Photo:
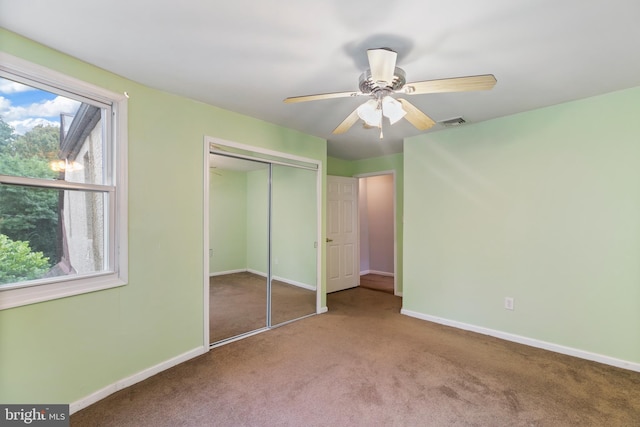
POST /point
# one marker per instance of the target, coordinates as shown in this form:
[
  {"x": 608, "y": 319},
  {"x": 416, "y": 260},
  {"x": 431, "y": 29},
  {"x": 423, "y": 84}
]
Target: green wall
[
  {"x": 227, "y": 220},
  {"x": 542, "y": 206},
  {"x": 393, "y": 162},
  {"x": 63, "y": 350},
  {"x": 339, "y": 167},
  {"x": 239, "y": 217},
  {"x": 258, "y": 220}
]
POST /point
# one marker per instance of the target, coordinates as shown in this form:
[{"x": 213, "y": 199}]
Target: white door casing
[{"x": 342, "y": 233}]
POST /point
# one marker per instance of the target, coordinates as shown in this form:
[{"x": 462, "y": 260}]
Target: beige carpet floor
[
  {"x": 364, "y": 364},
  {"x": 238, "y": 304}
]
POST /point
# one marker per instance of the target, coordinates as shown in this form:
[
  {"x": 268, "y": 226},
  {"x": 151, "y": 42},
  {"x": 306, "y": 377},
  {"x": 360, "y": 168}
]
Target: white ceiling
[{"x": 248, "y": 55}]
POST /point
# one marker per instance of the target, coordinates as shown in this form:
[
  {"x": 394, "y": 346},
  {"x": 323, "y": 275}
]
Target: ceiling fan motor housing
[{"x": 368, "y": 85}]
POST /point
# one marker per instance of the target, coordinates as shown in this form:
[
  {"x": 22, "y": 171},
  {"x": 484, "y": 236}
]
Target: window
[{"x": 63, "y": 204}]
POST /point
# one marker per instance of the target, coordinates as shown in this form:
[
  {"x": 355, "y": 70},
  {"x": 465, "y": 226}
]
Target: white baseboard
[
  {"x": 379, "y": 273},
  {"x": 135, "y": 378},
  {"x": 323, "y": 310},
  {"x": 222, "y": 273},
  {"x": 262, "y": 274},
  {"x": 241, "y": 270},
  {"x": 256, "y": 272},
  {"x": 582, "y": 354},
  {"x": 295, "y": 283}
]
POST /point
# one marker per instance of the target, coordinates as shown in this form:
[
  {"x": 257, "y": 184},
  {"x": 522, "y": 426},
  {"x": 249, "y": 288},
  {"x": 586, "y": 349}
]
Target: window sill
[{"x": 11, "y": 298}]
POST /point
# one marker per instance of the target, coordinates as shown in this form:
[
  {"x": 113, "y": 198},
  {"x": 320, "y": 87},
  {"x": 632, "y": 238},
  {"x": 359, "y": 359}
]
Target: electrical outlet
[{"x": 508, "y": 303}]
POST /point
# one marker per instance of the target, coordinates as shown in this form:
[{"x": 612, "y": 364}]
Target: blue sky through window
[{"x": 24, "y": 107}]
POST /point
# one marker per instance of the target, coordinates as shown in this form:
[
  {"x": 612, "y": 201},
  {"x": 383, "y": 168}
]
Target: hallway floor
[{"x": 377, "y": 282}]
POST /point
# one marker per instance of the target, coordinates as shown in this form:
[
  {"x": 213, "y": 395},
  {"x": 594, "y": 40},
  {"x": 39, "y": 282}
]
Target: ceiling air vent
[{"x": 457, "y": 121}]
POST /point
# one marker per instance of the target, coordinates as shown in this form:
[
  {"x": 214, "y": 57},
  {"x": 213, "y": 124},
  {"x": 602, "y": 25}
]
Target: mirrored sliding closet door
[
  {"x": 293, "y": 251},
  {"x": 238, "y": 248},
  {"x": 263, "y": 222}
]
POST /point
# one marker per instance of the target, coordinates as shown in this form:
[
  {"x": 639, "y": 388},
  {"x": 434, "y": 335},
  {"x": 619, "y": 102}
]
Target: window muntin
[{"x": 62, "y": 193}]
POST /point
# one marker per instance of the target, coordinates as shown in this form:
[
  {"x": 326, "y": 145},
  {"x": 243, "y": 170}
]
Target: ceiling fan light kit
[
  {"x": 373, "y": 110},
  {"x": 370, "y": 112},
  {"x": 392, "y": 109},
  {"x": 382, "y": 81}
]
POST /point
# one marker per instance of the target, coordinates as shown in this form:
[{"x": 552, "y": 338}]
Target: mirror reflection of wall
[
  {"x": 293, "y": 243},
  {"x": 238, "y": 216},
  {"x": 246, "y": 292}
]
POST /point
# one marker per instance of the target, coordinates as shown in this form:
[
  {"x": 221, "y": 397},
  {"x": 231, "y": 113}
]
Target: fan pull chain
[{"x": 381, "y": 116}]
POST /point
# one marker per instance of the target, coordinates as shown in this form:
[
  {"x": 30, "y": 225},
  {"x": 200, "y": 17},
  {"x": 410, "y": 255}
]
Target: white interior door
[{"x": 342, "y": 233}]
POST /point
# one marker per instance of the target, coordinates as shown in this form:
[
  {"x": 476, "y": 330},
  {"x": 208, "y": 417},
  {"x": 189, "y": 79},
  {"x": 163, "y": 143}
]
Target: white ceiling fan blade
[
  {"x": 347, "y": 123},
  {"x": 382, "y": 63},
  {"x": 416, "y": 117},
  {"x": 305, "y": 98},
  {"x": 456, "y": 84}
]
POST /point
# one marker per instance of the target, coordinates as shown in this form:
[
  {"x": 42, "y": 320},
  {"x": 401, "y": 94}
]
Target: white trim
[
  {"x": 241, "y": 270},
  {"x": 295, "y": 283},
  {"x": 582, "y": 354},
  {"x": 10, "y": 298},
  {"x": 395, "y": 232},
  {"x": 377, "y": 173},
  {"x": 206, "y": 289},
  {"x": 379, "y": 273},
  {"x": 133, "y": 379},
  {"x": 256, "y": 272},
  {"x": 211, "y": 142},
  {"x": 208, "y": 143},
  {"x": 55, "y": 184},
  {"x": 323, "y": 310},
  {"x": 261, "y": 274},
  {"x": 32, "y": 71},
  {"x": 238, "y": 337},
  {"x": 320, "y": 247},
  {"x": 121, "y": 159}
]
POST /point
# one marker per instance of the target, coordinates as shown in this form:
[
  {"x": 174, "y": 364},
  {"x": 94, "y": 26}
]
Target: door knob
[{"x": 329, "y": 240}]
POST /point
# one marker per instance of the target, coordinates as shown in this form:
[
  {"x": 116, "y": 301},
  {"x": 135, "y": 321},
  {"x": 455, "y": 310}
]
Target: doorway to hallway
[{"x": 377, "y": 239}]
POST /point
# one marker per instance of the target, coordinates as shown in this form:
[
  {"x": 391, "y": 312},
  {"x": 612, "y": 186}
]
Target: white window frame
[{"x": 61, "y": 287}]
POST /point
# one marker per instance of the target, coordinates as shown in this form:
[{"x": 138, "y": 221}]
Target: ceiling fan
[{"x": 382, "y": 81}]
